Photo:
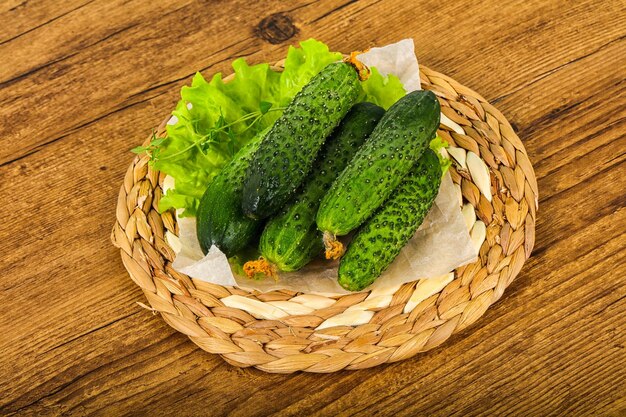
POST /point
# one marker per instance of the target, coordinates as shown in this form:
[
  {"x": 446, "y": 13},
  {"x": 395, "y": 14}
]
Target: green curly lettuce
[
  {"x": 214, "y": 119},
  {"x": 437, "y": 144},
  {"x": 383, "y": 91}
]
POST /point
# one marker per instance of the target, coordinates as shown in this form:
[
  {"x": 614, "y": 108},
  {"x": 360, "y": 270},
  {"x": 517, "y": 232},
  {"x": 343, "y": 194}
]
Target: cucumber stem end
[
  {"x": 361, "y": 69},
  {"x": 334, "y": 248},
  {"x": 260, "y": 266}
]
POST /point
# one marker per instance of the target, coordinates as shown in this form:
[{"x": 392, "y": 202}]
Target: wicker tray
[{"x": 284, "y": 331}]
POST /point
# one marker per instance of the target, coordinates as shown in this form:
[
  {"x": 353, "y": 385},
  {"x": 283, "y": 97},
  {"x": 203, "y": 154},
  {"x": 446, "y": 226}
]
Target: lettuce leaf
[
  {"x": 438, "y": 145},
  {"x": 214, "y": 119},
  {"x": 383, "y": 91}
]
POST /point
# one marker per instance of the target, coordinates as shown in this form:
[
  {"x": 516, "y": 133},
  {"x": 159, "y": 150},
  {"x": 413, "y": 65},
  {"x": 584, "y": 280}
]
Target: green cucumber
[
  {"x": 381, "y": 238},
  {"x": 289, "y": 149},
  {"x": 219, "y": 219},
  {"x": 291, "y": 239},
  {"x": 397, "y": 142}
]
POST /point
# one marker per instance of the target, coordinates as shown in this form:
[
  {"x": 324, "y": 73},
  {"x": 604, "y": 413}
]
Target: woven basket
[{"x": 284, "y": 331}]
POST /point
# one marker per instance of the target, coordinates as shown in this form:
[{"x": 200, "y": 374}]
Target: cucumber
[
  {"x": 289, "y": 149},
  {"x": 381, "y": 238},
  {"x": 291, "y": 239},
  {"x": 397, "y": 142},
  {"x": 219, "y": 219}
]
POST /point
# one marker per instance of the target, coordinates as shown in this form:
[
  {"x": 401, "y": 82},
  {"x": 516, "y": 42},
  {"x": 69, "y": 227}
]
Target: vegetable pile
[{"x": 284, "y": 162}]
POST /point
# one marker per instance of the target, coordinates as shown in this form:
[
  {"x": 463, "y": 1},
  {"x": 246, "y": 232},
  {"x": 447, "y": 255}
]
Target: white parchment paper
[{"x": 440, "y": 245}]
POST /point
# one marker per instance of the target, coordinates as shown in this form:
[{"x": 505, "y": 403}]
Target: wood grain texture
[{"x": 81, "y": 82}]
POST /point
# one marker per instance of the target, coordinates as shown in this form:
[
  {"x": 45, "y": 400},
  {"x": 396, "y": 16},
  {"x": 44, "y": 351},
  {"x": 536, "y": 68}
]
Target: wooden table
[{"x": 81, "y": 82}]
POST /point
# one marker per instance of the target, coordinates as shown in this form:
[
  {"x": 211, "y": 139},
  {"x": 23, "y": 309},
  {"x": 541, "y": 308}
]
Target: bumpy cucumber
[
  {"x": 291, "y": 239},
  {"x": 220, "y": 220},
  {"x": 397, "y": 142},
  {"x": 287, "y": 153},
  {"x": 382, "y": 237}
]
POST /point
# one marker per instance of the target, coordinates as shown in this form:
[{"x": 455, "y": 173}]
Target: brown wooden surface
[{"x": 81, "y": 82}]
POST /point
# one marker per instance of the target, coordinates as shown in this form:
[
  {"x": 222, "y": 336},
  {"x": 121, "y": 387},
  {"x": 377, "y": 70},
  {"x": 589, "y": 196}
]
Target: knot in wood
[{"x": 276, "y": 28}]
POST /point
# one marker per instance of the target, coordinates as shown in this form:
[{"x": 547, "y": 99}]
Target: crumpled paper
[{"x": 441, "y": 244}]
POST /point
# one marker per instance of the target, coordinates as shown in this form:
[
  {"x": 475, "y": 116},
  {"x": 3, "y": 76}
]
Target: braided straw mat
[{"x": 284, "y": 331}]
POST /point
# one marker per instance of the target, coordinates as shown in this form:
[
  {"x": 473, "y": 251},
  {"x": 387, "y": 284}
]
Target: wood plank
[
  {"x": 487, "y": 368},
  {"x": 27, "y": 16},
  {"x": 143, "y": 40},
  {"x": 546, "y": 209}
]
